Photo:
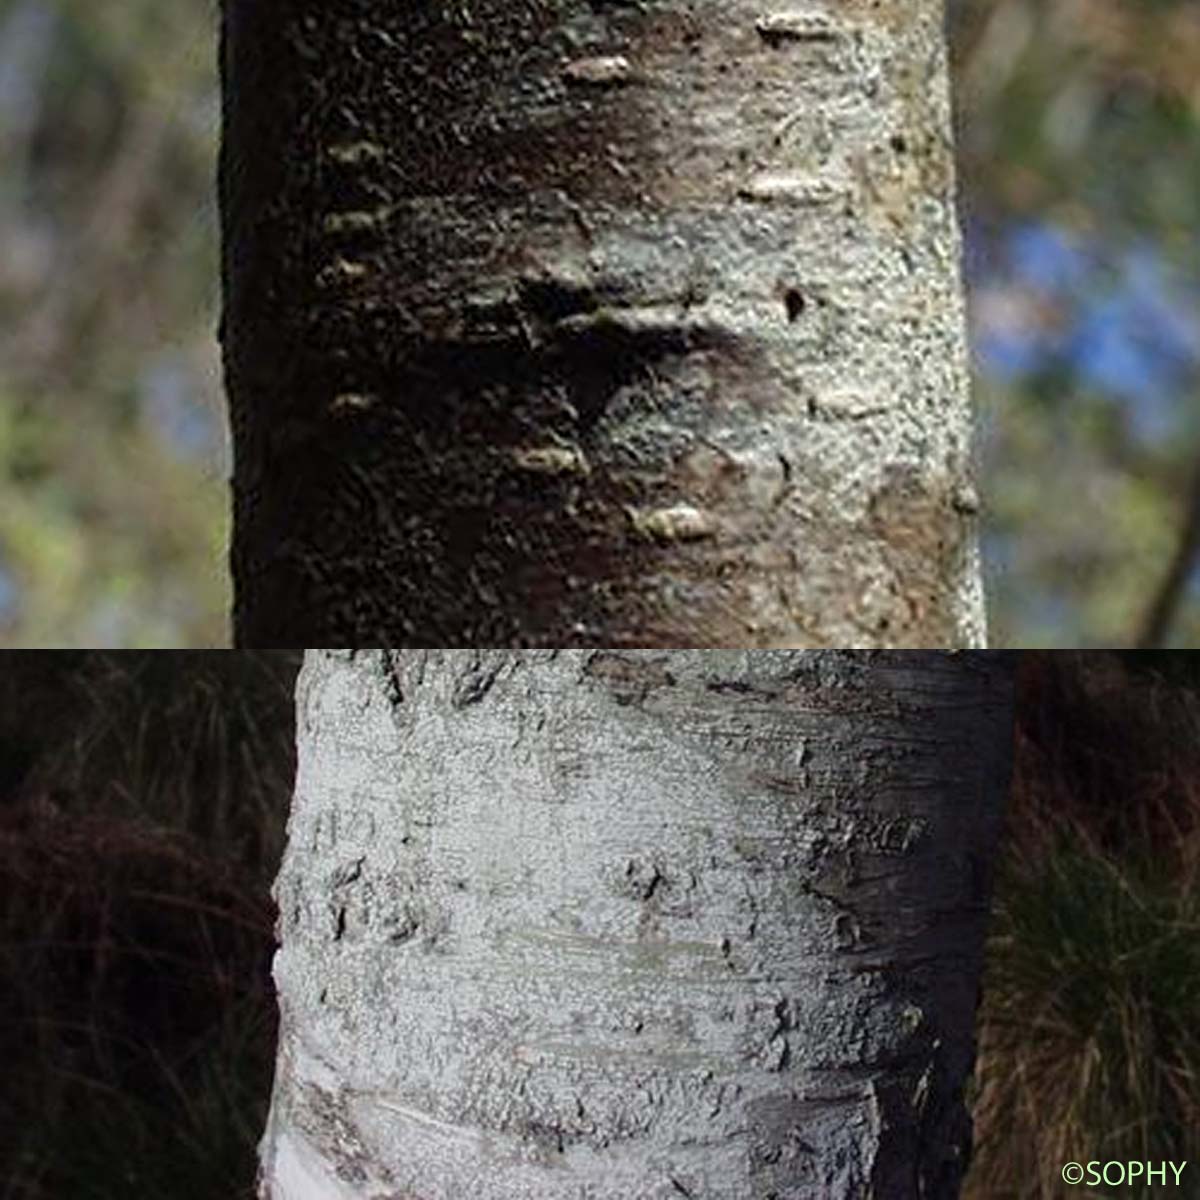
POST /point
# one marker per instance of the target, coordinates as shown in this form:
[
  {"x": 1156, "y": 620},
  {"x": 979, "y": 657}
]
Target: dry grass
[
  {"x": 135, "y": 856},
  {"x": 1089, "y": 1028}
]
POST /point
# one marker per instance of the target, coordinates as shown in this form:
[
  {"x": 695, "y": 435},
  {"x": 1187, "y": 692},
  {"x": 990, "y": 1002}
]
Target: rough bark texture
[
  {"x": 595, "y": 323},
  {"x": 599, "y": 925}
]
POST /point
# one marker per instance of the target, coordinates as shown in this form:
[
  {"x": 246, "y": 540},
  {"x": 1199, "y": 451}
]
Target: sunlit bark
[{"x": 595, "y": 323}]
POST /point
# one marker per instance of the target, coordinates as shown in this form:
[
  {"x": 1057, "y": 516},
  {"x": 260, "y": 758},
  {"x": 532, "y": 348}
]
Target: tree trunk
[
  {"x": 594, "y": 323},
  {"x": 634, "y": 926}
]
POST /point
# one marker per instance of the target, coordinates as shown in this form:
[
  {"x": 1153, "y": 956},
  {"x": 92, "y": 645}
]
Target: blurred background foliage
[
  {"x": 113, "y": 454},
  {"x": 1079, "y": 157}
]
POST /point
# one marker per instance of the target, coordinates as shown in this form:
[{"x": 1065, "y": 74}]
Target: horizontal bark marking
[{"x": 630, "y": 680}]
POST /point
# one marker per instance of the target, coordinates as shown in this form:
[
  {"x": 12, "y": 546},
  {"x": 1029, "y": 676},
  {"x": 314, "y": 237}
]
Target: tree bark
[
  {"x": 566, "y": 924},
  {"x": 594, "y": 323}
]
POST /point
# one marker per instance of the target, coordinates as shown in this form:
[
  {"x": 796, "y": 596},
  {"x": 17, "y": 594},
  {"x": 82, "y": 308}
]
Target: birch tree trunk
[
  {"x": 595, "y": 323},
  {"x": 569, "y": 924}
]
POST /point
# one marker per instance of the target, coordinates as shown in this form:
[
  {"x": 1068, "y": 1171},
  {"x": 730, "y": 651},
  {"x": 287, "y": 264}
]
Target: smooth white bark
[{"x": 633, "y": 926}]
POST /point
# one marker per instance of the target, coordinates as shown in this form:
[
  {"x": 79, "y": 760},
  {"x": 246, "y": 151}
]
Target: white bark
[{"x": 634, "y": 925}]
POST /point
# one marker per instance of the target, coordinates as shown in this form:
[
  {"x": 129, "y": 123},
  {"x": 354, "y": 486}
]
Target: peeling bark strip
[
  {"x": 525, "y": 301},
  {"x": 629, "y": 925}
]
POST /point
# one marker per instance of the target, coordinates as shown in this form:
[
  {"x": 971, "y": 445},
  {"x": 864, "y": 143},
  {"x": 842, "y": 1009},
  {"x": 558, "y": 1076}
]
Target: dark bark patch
[
  {"x": 391, "y": 679},
  {"x": 555, "y": 299},
  {"x": 729, "y": 685},
  {"x": 630, "y": 680},
  {"x": 475, "y": 683}
]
